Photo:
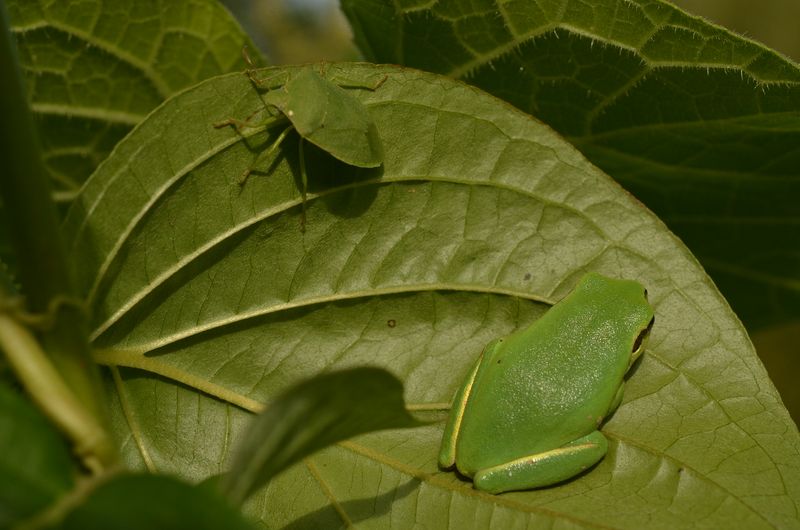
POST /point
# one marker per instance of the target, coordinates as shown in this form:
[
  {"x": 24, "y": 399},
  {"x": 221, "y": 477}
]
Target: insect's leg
[
  {"x": 267, "y": 82},
  {"x": 346, "y": 82},
  {"x": 304, "y": 182},
  {"x": 377, "y": 85},
  {"x": 265, "y": 155},
  {"x": 247, "y": 123},
  {"x": 250, "y": 72},
  {"x": 238, "y": 124}
]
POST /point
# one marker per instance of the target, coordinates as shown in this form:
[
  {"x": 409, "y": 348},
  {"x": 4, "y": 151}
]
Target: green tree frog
[{"x": 529, "y": 412}]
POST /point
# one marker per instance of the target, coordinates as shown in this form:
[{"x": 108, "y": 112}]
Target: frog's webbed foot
[{"x": 543, "y": 469}]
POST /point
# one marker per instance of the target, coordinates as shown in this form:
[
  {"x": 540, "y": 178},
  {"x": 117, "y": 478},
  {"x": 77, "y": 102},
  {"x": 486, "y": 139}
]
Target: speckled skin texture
[{"x": 529, "y": 415}]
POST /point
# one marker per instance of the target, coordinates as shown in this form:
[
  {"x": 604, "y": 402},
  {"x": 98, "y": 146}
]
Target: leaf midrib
[
  {"x": 144, "y": 348},
  {"x": 142, "y": 294}
]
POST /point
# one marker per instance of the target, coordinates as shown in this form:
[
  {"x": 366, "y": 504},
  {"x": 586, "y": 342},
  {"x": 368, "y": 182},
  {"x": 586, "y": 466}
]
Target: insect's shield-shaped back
[{"x": 330, "y": 117}]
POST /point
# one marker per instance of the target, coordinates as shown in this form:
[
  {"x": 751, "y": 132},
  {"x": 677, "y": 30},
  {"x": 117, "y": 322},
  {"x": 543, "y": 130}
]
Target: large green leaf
[
  {"x": 35, "y": 465},
  {"x": 96, "y": 68},
  {"x": 700, "y": 124},
  {"x": 216, "y": 301},
  {"x": 136, "y": 502}
]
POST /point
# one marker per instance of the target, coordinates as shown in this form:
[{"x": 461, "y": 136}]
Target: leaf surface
[
  {"x": 208, "y": 301},
  {"x": 94, "y": 69},
  {"x": 700, "y": 124}
]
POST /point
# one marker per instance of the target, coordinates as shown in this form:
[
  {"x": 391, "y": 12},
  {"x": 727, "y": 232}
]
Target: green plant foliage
[
  {"x": 35, "y": 466},
  {"x": 208, "y": 300},
  {"x": 700, "y": 124},
  {"x": 136, "y": 502},
  {"x": 311, "y": 415},
  {"x": 96, "y": 68}
]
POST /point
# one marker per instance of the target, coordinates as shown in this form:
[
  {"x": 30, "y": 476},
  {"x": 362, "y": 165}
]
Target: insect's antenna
[
  {"x": 253, "y": 77},
  {"x": 246, "y": 56},
  {"x": 250, "y": 71},
  {"x": 304, "y": 181},
  {"x": 249, "y": 61}
]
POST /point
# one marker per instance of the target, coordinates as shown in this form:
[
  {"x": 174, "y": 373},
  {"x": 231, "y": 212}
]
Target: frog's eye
[{"x": 638, "y": 344}]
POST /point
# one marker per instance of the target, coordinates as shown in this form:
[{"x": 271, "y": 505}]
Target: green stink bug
[{"x": 323, "y": 113}]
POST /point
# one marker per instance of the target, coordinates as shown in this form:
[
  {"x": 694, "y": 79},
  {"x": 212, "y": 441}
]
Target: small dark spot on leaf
[
  {"x": 527, "y": 276},
  {"x": 391, "y": 323}
]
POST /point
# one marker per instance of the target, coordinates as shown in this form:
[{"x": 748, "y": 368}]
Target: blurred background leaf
[
  {"x": 138, "y": 501},
  {"x": 95, "y": 69},
  {"x": 773, "y": 22},
  {"x": 310, "y": 416},
  {"x": 36, "y": 467}
]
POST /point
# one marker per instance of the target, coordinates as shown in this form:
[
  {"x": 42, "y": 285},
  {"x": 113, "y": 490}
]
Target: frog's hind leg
[
  {"x": 447, "y": 454},
  {"x": 543, "y": 469}
]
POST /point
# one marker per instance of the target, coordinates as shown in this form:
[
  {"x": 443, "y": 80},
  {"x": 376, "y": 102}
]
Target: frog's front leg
[
  {"x": 447, "y": 454},
  {"x": 615, "y": 403},
  {"x": 543, "y": 469}
]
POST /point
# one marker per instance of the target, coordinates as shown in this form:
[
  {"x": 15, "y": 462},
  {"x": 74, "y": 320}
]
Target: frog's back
[{"x": 545, "y": 386}]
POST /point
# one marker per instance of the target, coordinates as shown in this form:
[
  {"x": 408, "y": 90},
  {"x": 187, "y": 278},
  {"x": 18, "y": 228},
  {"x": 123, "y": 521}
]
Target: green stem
[
  {"x": 51, "y": 394},
  {"x": 32, "y": 220}
]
